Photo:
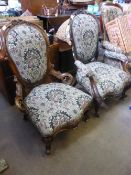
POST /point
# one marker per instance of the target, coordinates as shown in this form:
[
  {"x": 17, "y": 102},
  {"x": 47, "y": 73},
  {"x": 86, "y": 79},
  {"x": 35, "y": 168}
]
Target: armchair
[
  {"x": 99, "y": 79},
  {"x": 109, "y": 11},
  {"x": 113, "y": 54},
  {"x": 51, "y": 107}
]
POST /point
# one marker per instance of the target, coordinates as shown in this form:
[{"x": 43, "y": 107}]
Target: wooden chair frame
[
  {"x": 23, "y": 88},
  {"x": 98, "y": 101}
]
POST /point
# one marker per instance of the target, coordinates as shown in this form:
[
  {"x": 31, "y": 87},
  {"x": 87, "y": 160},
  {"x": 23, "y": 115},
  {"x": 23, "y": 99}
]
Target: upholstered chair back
[
  {"x": 110, "y": 12},
  {"x": 84, "y": 31},
  {"x": 26, "y": 45}
]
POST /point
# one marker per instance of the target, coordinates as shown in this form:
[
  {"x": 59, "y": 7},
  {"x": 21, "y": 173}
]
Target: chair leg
[
  {"x": 123, "y": 96},
  {"x": 96, "y": 107},
  {"x": 86, "y": 116},
  {"x": 25, "y": 117},
  {"x": 48, "y": 141}
]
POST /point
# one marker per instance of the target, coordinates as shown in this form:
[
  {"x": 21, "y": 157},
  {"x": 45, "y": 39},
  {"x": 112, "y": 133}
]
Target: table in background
[{"x": 52, "y": 21}]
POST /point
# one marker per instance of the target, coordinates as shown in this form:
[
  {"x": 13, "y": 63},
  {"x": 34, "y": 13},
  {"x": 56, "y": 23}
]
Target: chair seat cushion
[
  {"x": 55, "y": 106},
  {"x": 109, "y": 80}
]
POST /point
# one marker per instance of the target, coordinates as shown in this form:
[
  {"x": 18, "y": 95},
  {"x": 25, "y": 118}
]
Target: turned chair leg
[
  {"x": 86, "y": 116},
  {"x": 123, "y": 96},
  {"x": 96, "y": 107},
  {"x": 25, "y": 117},
  {"x": 48, "y": 141}
]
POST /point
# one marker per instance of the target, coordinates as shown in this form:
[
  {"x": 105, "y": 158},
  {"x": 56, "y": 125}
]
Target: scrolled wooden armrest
[
  {"x": 129, "y": 65},
  {"x": 20, "y": 103},
  {"x": 66, "y": 78},
  {"x": 126, "y": 66},
  {"x": 95, "y": 92}
]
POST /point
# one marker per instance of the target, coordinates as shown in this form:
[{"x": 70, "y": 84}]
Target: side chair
[{"x": 51, "y": 107}]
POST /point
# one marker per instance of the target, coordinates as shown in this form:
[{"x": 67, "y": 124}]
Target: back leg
[{"x": 47, "y": 141}]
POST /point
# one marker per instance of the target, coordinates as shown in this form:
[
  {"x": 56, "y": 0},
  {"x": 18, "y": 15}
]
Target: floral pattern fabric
[
  {"x": 114, "y": 58},
  {"x": 54, "y": 106},
  {"x": 111, "y": 47},
  {"x": 27, "y": 48},
  {"x": 109, "y": 80},
  {"x": 63, "y": 32},
  {"x": 84, "y": 30},
  {"x": 109, "y": 13},
  {"x": 113, "y": 62},
  {"x": 115, "y": 55}
]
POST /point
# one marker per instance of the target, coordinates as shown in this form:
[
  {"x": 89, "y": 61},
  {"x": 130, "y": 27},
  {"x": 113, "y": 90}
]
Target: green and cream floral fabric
[
  {"x": 115, "y": 59},
  {"x": 54, "y": 106},
  {"x": 112, "y": 47},
  {"x": 84, "y": 30},
  {"x": 113, "y": 62},
  {"x": 26, "y": 46},
  {"x": 63, "y": 32},
  {"x": 109, "y": 80},
  {"x": 109, "y": 13}
]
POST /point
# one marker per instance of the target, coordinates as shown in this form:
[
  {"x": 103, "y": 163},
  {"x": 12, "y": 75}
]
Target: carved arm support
[
  {"x": 65, "y": 78},
  {"x": 88, "y": 73},
  {"x": 118, "y": 57},
  {"x": 19, "y": 101}
]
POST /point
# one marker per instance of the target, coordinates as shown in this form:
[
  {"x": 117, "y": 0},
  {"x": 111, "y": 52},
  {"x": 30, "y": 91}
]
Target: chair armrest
[
  {"x": 111, "y": 47},
  {"x": 89, "y": 73},
  {"x": 82, "y": 68},
  {"x": 2, "y": 47},
  {"x": 66, "y": 78},
  {"x": 129, "y": 66},
  {"x": 117, "y": 56},
  {"x": 19, "y": 101}
]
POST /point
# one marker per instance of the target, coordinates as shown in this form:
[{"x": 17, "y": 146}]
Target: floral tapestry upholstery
[
  {"x": 82, "y": 76},
  {"x": 84, "y": 31},
  {"x": 111, "y": 47},
  {"x": 113, "y": 62},
  {"x": 63, "y": 32},
  {"x": 115, "y": 55},
  {"x": 115, "y": 59},
  {"x": 54, "y": 106},
  {"x": 27, "y": 48},
  {"x": 109, "y": 80},
  {"x": 109, "y": 13}
]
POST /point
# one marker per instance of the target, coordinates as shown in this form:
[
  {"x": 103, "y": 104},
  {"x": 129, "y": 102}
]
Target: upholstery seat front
[
  {"x": 109, "y": 80},
  {"x": 54, "y": 106}
]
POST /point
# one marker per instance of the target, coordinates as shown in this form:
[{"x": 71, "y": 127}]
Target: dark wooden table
[{"x": 52, "y": 21}]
